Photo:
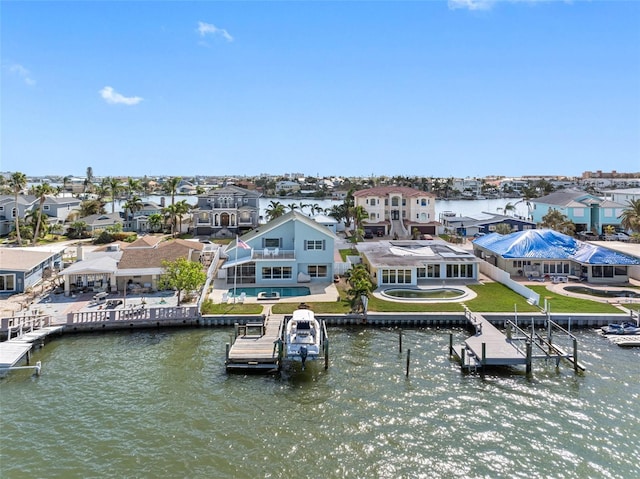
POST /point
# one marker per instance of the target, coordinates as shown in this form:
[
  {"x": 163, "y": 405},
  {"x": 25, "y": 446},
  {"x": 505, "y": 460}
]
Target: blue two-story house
[
  {"x": 288, "y": 250},
  {"x": 588, "y": 212}
]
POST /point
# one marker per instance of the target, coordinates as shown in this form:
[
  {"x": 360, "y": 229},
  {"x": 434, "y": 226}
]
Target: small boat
[
  {"x": 303, "y": 337},
  {"x": 626, "y": 327},
  {"x": 262, "y": 295}
]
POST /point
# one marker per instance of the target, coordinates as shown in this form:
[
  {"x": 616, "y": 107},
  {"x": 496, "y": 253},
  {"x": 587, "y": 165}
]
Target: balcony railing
[{"x": 273, "y": 254}]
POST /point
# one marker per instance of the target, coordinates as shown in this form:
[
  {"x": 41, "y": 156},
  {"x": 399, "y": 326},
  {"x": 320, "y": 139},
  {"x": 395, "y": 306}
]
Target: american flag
[{"x": 243, "y": 245}]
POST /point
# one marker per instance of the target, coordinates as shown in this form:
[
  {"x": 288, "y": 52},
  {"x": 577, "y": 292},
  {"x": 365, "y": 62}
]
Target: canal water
[{"x": 159, "y": 404}]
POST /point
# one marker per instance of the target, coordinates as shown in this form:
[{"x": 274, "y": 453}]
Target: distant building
[{"x": 483, "y": 223}]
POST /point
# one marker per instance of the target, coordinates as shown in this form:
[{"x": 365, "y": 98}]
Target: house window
[
  {"x": 272, "y": 242},
  {"x": 578, "y": 212},
  {"x": 433, "y": 271},
  {"x": 602, "y": 271},
  {"x": 399, "y": 276},
  {"x": 7, "y": 282},
  {"x": 314, "y": 244},
  {"x": 424, "y": 202},
  {"x": 459, "y": 271},
  {"x": 276, "y": 272},
  {"x": 395, "y": 201},
  {"x": 46, "y": 207},
  {"x": 317, "y": 270},
  {"x": 1, "y": 208},
  {"x": 13, "y": 212}
]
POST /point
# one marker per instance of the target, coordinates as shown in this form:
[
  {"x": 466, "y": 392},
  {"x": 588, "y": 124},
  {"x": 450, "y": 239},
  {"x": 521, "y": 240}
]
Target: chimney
[{"x": 79, "y": 252}]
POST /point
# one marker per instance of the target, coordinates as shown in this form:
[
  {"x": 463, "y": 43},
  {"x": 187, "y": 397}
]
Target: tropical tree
[
  {"x": 133, "y": 186},
  {"x": 17, "y": 182},
  {"x": 41, "y": 192},
  {"x": 91, "y": 207},
  {"x": 360, "y": 286},
  {"x": 338, "y": 212},
  {"x": 155, "y": 222},
  {"x": 77, "y": 229},
  {"x": 171, "y": 187},
  {"x": 182, "y": 275},
  {"x": 275, "y": 210},
  {"x": 503, "y": 228},
  {"x": 509, "y": 209},
  {"x": 65, "y": 183},
  {"x": 170, "y": 213},
  {"x": 115, "y": 187},
  {"x": 558, "y": 222},
  {"x": 131, "y": 206},
  {"x": 182, "y": 208},
  {"x": 631, "y": 216},
  {"x": 88, "y": 181}
]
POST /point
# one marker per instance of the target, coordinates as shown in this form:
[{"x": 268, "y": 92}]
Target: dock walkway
[
  {"x": 13, "y": 350},
  {"x": 488, "y": 347},
  {"x": 255, "y": 346}
]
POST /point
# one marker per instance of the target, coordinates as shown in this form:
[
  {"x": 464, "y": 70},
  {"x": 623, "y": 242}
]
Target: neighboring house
[
  {"x": 140, "y": 266},
  {"x": 397, "y": 210},
  {"x": 623, "y": 196},
  {"x": 410, "y": 263},
  {"x": 8, "y": 210},
  {"x": 101, "y": 221},
  {"x": 289, "y": 249},
  {"x": 226, "y": 211},
  {"x": 55, "y": 209},
  {"x": 484, "y": 222},
  {"x": 588, "y": 212},
  {"x": 544, "y": 252},
  {"x": 328, "y": 221},
  {"x": 23, "y": 268},
  {"x": 287, "y": 186},
  {"x": 140, "y": 220}
]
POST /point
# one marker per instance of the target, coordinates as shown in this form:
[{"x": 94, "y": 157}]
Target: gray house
[{"x": 226, "y": 211}]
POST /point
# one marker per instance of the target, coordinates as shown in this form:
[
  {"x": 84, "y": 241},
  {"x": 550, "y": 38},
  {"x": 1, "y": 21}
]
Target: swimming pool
[
  {"x": 284, "y": 292},
  {"x": 603, "y": 293},
  {"x": 426, "y": 294}
]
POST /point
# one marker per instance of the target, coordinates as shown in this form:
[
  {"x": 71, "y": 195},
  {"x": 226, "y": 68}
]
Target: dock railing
[{"x": 24, "y": 324}]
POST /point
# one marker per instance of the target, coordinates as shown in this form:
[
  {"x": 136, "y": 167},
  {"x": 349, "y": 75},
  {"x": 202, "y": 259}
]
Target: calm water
[{"x": 159, "y": 404}]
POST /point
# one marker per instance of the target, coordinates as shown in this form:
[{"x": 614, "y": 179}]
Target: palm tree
[
  {"x": 91, "y": 207},
  {"x": 170, "y": 213},
  {"x": 77, "y": 229},
  {"x": 131, "y": 206},
  {"x": 631, "y": 216},
  {"x": 275, "y": 210},
  {"x": 88, "y": 181},
  {"x": 182, "y": 208},
  {"x": 65, "y": 182},
  {"x": 155, "y": 222},
  {"x": 133, "y": 186},
  {"x": 17, "y": 182},
  {"x": 558, "y": 222},
  {"x": 171, "y": 187},
  {"x": 41, "y": 191},
  {"x": 509, "y": 208},
  {"x": 115, "y": 187}
]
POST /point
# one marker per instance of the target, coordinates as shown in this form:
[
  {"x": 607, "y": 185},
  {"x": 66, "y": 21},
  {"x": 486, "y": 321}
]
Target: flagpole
[{"x": 235, "y": 272}]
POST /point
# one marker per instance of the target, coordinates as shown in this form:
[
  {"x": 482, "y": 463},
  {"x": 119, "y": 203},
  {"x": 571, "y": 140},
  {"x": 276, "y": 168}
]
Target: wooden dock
[
  {"x": 13, "y": 350},
  {"x": 256, "y": 346}
]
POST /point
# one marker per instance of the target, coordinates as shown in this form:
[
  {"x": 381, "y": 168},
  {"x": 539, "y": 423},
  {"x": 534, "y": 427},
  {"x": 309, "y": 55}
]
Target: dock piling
[{"x": 408, "y": 360}]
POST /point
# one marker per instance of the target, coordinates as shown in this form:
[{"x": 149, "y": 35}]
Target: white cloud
[
  {"x": 471, "y": 4},
  {"x": 205, "y": 29},
  {"x": 23, "y": 73},
  {"x": 112, "y": 96}
]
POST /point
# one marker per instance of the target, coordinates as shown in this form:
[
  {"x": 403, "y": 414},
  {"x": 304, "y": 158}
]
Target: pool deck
[{"x": 321, "y": 292}]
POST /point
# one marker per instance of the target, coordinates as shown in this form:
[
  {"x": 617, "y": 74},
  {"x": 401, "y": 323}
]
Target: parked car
[
  {"x": 587, "y": 236},
  {"x": 368, "y": 234},
  {"x": 617, "y": 237}
]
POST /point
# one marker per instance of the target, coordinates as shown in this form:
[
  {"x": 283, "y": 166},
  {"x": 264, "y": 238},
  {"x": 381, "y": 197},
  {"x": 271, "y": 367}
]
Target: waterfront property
[
  {"x": 483, "y": 223},
  {"x": 288, "y": 250},
  {"x": 23, "y": 268},
  {"x": 397, "y": 211},
  {"x": 226, "y": 211},
  {"x": 588, "y": 212},
  {"x": 410, "y": 263},
  {"x": 547, "y": 253}
]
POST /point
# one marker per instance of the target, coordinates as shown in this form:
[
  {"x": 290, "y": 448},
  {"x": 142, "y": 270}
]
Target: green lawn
[{"x": 567, "y": 304}]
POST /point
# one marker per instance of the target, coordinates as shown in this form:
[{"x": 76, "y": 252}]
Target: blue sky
[{"x": 427, "y": 88}]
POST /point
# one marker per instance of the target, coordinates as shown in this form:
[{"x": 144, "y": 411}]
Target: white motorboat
[{"x": 303, "y": 337}]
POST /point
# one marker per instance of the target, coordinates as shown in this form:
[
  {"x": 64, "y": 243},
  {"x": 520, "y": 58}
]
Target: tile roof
[{"x": 387, "y": 190}]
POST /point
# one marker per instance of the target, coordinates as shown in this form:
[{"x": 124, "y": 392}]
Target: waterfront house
[
  {"x": 482, "y": 223},
  {"x": 418, "y": 262},
  {"x": 226, "y": 212},
  {"x": 289, "y": 249},
  {"x": 23, "y": 268},
  {"x": 545, "y": 253},
  {"x": 98, "y": 222},
  {"x": 397, "y": 211},
  {"x": 588, "y": 212}
]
